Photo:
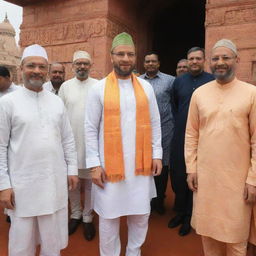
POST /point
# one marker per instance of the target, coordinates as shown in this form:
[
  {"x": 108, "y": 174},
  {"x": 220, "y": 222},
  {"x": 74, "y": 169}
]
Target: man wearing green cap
[
  {"x": 123, "y": 150},
  {"x": 220, "y": 153}
]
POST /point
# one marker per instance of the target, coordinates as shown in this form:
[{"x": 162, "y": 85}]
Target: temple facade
[
  {"x": 169, "y": 27},
  {"x": 9, "y": 51}
]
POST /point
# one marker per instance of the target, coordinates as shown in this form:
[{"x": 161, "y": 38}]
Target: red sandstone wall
[
  {"x": 235, "y": 20},
  {"x": 63, "y": 27}
]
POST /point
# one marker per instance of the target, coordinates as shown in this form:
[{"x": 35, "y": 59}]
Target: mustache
[{"x": 36, "y": 76}]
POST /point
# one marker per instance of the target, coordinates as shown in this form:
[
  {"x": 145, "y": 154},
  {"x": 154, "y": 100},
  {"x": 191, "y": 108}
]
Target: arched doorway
[{"x": 173, "y": 27}]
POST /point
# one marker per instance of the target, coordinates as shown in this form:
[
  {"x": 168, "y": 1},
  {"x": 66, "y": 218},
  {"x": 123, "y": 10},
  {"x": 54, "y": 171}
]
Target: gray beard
[{"x": 82, "y": 74}]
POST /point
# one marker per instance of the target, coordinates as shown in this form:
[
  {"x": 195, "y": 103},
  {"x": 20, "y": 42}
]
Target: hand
[
  {"x": 250, "y": 194},
  {"x": 7, "y": 198},
  {"x": 156, "y": 167},
  {"x": 72, "y": 182},
  {"x": 98, "y": 176},
  {"x": 192, "y": 181}
]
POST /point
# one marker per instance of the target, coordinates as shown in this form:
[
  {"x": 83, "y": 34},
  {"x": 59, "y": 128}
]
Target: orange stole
[{"x": 113, "y": 148}]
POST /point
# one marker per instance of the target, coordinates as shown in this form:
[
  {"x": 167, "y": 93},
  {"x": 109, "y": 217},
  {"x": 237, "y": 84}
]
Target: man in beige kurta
[
  {"x": 220, "y": 155},
  {"x": 74, "y": 94}
]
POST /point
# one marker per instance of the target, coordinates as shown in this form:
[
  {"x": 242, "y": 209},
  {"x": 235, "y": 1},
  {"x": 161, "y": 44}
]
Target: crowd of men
[{"x": 118, "y": 140}]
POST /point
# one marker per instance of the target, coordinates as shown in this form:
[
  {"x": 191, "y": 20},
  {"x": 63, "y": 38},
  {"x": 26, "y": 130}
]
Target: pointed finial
[{"x": 6, "y": 17}]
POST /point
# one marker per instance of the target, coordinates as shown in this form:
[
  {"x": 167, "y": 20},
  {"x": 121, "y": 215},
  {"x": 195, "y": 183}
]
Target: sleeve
[
  {"x": 5, "y": 131},
  {"x": 174, "y": 98},
  {"x": 191, "y": 136},
  {"x": 68, "y": 144},
  {"x": 251, "y": 177},
  {"x": 93, "y": 115},
  {"x": 157, "y": 152}
]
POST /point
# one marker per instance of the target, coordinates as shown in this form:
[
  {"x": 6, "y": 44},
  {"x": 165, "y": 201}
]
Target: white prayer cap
[
  {"x": 226, "y": 43},
  {"x": 81, "y": 55},
  {"x": 34, "y": 50}
]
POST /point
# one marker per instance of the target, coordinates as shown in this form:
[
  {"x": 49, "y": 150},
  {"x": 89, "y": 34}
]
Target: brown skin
[
  {"x": 224, "y": 67},
  {"x": 5, "y": 83},
  {"x": 151, "y": 65},
  {"x": 57, "y": 75},
  {"x": 196, "y": 62},
  {"x": 81, "y": 67},
  {"x": 123, "y": 66},
  {"x": 34, "y": 71},
  {"x": 182, "y": 68}
]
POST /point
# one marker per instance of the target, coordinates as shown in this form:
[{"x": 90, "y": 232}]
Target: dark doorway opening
[{"x": 175, "y": 28}]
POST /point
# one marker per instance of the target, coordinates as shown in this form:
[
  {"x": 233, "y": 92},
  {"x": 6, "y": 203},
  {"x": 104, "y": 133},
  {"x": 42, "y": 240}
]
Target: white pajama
[
  {"x": 51, "y": 231},
  {"x": 109, "y": 235},
  {"x": 75, "y": 201}
]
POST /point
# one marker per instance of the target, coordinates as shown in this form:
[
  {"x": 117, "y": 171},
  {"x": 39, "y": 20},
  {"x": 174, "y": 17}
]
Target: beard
[
  {"x": 57, "y": 82},
  {"x": 82, "y": 74},
  {"x": 222, "y": 76},
  {"x": 36, "y": 83},
  {"x": 123, "y": 73}
]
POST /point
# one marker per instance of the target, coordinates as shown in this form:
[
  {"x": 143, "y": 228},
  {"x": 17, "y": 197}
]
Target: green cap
[{"x": 122, "y": 39}]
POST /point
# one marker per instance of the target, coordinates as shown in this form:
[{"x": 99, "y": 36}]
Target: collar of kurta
[
  {"x": 81, "y": 82},
  {"x": 33, "y": 93}
]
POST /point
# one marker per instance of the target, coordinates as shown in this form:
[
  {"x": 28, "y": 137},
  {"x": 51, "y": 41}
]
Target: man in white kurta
[
  {"x": 130, "y": 197},
  {"x": 220, "y": 156},
  {"x": 56, "y": 77},
  {"x": 37, "y": 161},
  {"x": 74, "y": 95}
]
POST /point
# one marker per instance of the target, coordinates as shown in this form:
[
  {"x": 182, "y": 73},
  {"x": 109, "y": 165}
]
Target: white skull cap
[
  {"x": 81, "y": 55},
  {"x": 226, "y": 43},
  {"x": 34, "y": 50}
]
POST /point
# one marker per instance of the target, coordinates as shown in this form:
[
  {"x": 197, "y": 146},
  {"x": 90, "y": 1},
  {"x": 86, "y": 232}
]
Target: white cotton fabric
[
  {"x": 74, "y": 93},
  {"x": 110, "y": 239},
  {"x": 37, "y": 151},
  {"x": 131, "y": 196},
  {"x": 50, "y": 231}
]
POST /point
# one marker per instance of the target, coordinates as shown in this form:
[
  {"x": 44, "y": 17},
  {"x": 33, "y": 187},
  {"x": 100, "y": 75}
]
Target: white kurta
[
  {"x": 49, "y": 87},
  {"x": 131, "y": 196},
  {"x": 74, "y": 93},
  {"x": 37, "y": 151}
]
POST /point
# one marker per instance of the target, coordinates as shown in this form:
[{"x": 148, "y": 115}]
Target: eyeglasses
[
  {"x": 122, "y": 54},
  {"x": 223, "y": 58},
  {"x": 79, "y": 64}
]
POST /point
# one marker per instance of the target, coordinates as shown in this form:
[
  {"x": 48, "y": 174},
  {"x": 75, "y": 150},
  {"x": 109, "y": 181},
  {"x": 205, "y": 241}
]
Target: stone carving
[
  {"x": 227, "y": 16},
  {"x": 64, "y": 33}
]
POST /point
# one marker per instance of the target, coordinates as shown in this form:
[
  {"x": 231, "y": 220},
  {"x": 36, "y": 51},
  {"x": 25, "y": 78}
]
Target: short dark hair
[
  {"x": 56, "y": 63},
  {"x": 195, "y": 49},
  {"x": 4, "y": 71},
  {"x": 152, "y": 52}
]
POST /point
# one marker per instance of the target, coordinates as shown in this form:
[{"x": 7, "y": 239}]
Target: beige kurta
[
  {"x": 74, "y": 93},
  {"x": 220, "y": 147}
]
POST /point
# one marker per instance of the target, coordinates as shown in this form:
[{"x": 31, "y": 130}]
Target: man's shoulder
[
  {"x": 208, "y": 75},
  {"x": 69, "y": 82},
  {"x": 166, "y": 76}
]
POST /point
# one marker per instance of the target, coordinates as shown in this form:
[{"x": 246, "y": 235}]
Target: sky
[{"x": 14, "y": 13}]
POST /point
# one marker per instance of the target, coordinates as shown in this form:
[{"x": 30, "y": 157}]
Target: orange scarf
[{"x": 113, "y": 148}]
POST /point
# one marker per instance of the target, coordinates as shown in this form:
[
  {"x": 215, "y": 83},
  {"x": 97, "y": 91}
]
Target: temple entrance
[{"x": 175, "y": 26}]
